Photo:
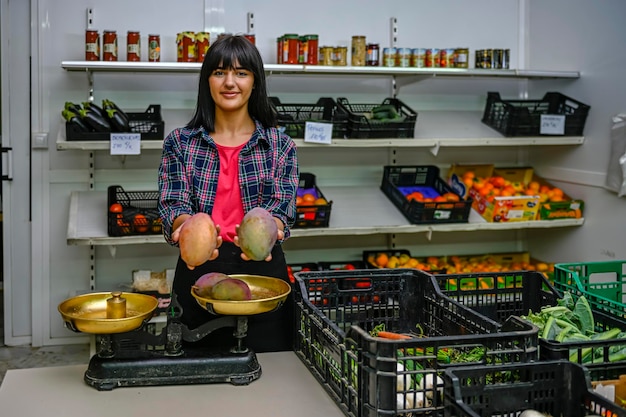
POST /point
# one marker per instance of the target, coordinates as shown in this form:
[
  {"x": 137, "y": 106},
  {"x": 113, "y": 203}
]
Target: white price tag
[
  {"x": 125, "y": 143},
  {"x": 318, "y": 132},
  {"x": 552, "y": 124}
]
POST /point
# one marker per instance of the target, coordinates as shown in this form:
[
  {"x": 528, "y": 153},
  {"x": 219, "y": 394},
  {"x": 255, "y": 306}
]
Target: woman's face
[{"x": 231, "y": 87}]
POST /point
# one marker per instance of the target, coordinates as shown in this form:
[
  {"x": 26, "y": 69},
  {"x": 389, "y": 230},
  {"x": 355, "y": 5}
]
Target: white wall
[{"x": 425, "y": 23}]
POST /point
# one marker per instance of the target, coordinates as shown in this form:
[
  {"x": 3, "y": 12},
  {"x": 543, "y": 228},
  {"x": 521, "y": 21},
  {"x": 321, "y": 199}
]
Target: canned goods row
[
  {"x": 110, "y": 46},
  {"x": 492, "y": 58},
  {"x": 292, "y": 48},
  {"x": 426, "y": 57}
]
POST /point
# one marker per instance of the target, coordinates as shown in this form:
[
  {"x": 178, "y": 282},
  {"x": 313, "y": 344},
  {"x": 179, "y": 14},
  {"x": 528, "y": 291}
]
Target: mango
[
  {"x": 204, "y": 285},
  {"x": 257, "y": 234},
  {"x": 198, "y": 239},
  {"x": 232, "y": 289}
]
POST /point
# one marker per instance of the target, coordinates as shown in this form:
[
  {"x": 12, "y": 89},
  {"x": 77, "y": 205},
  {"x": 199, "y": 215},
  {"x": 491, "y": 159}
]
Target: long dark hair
[{"x": 225, "y": 52}]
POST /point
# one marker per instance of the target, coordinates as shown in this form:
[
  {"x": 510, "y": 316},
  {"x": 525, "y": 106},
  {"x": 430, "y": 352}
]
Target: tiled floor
[{"x": 18, "y": 357}]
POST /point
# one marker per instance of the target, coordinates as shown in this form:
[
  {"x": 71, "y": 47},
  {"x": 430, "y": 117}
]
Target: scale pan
[
  {"x": 87, "y": 313},
  {"x": 268, "y": 294}
]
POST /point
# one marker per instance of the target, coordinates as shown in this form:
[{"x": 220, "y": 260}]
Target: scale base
[{"x": 193, "y": 366}]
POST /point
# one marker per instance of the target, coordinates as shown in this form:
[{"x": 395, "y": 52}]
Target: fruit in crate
[
  {"x": 197, "y": 240},
  {"x": 498, "y": 186},
  {"x": 204, "y": 285},
  {"x": 231, "y": 289},
  {"x": 445, "y": 197},
  {"x": 257, "y": 234}
]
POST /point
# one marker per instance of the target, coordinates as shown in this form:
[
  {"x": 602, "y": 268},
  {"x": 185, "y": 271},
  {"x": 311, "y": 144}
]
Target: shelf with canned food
[{"x": 353, "y": 211}]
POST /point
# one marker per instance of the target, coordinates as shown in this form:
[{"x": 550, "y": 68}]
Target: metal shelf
[
  {"x": 193, "y": 67},
  {"x": 352, "y": 214}
]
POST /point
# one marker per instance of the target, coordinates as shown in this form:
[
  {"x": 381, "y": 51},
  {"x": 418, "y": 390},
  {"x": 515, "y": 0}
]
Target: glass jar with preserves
[
  {"x": 202, "y": 45},
  {"x": 186, "y": 46},
  {"x": 109, "y": 45},
  {"x": 133, "y": 46},
  {"x": 326, "y": 55},
  {"x": 373, "y": 55},
  {"x": 461, "y": 58},
  {"x": 92, "y": 45},
  {"x": 359, "y": 51},
  {"x": 312, "y": 55},
  {"x": 340, "y": 56},
  {"x": 291, "y": 48}
]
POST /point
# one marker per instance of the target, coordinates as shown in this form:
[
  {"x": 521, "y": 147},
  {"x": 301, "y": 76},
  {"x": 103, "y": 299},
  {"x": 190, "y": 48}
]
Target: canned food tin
[
  {"x": 202, "y": 45},
  {"x": 154, "y": 48},
  {"x": 506, "y": 59},
  {"x": 109, "y": 45},
  {"x": 418, "y": 56},
  {"x": 389, "y": 57},
  {"x": 92, "y": 45},
  {"x": 403, "y": 57},
  {"x": 340, "y": 56},
  {"x": 133, "y": 46},
  {"x": 326, "y": 55},
  {"x": 496, "y": 58},
  {"x": 186, "y": 47},
  {"x": 291, "y": 48},
  {"x": 446, "y": 58},
  {"x": 431, "y": 58},
  {"x": 461, "y": 58},
  {"x": 279, "y": 50},
  {"x": 359, "y": 51},
  {"x": 373, "y": 55}
]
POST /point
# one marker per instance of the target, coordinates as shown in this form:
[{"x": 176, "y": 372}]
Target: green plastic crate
[{"x": 602, "y": 283}]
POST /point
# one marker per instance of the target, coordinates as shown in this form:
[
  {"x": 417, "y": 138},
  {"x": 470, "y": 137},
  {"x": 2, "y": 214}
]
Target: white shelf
[
  {"x": 434, "y": 129},
  {"x": 193, "y": 67},
  {"x": 354, "y": 212}
]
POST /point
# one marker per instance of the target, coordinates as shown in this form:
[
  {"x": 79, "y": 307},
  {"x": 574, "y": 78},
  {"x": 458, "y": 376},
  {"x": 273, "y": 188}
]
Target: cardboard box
[
  {"x": 567, "y": 208},
  {"x": 156, "y": 284},
  {"x": 457, "y": 171},
  {"x": 509, "y": 208}
]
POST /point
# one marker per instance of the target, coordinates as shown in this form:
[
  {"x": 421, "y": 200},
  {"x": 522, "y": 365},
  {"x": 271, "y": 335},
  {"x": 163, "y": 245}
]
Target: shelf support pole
[{"x": 393, "y": 40}]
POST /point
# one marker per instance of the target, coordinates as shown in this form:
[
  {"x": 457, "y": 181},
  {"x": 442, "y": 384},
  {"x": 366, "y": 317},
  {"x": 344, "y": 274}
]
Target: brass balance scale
[{"x": 129, "y": 354}]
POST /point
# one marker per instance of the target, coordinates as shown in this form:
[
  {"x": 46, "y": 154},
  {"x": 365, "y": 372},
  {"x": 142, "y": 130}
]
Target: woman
[{"x": 227, "y": 160}]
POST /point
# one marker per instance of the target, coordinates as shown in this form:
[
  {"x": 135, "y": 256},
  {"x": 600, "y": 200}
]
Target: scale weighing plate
[{"x": 128, "y": 354}]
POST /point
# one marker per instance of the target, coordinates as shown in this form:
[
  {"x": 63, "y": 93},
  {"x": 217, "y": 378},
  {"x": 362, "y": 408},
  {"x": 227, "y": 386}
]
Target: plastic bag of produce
[{"x": 616, "y": 171}]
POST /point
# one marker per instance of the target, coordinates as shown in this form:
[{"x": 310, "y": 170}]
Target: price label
[
  {"x": 552, "y": 124},
  {"x": 317, "y": 132},
  {"x": 125, "y": 143}
]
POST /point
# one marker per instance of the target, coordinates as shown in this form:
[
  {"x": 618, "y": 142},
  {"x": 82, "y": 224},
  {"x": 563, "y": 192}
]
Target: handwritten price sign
[
  {"x": 125, "y": 143},
  {"x": 552, "y": 124},
  {"x": 318, "y": 132}
]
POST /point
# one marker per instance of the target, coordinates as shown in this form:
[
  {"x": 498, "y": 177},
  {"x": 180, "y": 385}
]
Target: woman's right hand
[{"x": 218, "y": 241}]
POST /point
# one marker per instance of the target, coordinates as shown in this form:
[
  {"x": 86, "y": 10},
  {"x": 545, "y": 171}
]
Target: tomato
[
  {"x": 116, "y": 208},
  {"x": 140, "y": 223},
  {"x": 349, "y": 267}
]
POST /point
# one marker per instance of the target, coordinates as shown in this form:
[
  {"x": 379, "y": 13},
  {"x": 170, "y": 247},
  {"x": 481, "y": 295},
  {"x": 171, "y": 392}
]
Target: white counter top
[{"x": 285, "y": 388}]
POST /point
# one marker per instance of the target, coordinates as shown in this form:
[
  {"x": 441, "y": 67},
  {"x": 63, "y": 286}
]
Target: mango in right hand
[{"x": 197, "y": 240}]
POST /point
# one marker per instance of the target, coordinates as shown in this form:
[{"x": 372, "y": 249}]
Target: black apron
[{"x": 267, "y": 332}]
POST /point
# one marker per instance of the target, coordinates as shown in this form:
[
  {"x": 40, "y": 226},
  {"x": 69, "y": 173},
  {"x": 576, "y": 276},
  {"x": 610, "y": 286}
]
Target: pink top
[{"x": 228, "y": 208}]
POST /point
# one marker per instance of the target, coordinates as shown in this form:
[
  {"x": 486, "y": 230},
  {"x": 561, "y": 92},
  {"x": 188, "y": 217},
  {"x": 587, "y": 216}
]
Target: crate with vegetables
[
  {"x": 569, "y": 327},
  {"x": 90, "y": 121},
  {"x": 382, "y": 338},
  {"x": 538, "y": 389}
]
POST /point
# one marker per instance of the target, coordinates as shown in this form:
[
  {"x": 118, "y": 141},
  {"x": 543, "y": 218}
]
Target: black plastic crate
[
  {"x": 135, "y": 213},
  {"x": 362, "y": 126},
  {"x": 304, "y": 267},
  {"x": 293, "y": 117},
  {"x": 499, "y": 295},
  {"x": 523, "y": 117},
  {"x": 311, "y": 215},
  {"x": 555, "y": 388},
  {"x": 399, "y": 181},
  {"x": 336, "y": 310},
  {"x": 149, "y": 124}
]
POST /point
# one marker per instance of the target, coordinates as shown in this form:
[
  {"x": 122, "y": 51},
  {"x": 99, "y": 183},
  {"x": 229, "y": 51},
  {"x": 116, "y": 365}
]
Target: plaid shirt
[{"x": 268, "y": 174}]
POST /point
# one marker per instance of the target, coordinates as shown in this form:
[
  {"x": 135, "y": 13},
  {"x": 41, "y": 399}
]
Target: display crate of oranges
[
  {"x": 402, "y": 258},
  {"x": 423, "y": 196},
  {"x": 461, "y": 177},
  {"x": 313, "y": 209},
  {"x": 132, "y": 212}
]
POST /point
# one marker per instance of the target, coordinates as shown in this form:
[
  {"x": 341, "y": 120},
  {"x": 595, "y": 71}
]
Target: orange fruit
[
  {"x": 320, "y": 201},
  {"x": 308, "y": 198},
  {"x": 382, "y": 259},
  {"x": 298, "y": 201},
  {"x": 116, "y": 208},
  {"x": 140, "y": 223}
]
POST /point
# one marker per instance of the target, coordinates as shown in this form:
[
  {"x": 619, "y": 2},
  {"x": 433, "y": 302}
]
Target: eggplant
[
  {"x": 108, "y": 104},
  {"x": 94, "y": 120},
  {"x": 73, "y": 107},
  {"x": 94, "y": 108},
  {"x": 118, "y": 122},
  {"x": 73, "y": 119}
]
